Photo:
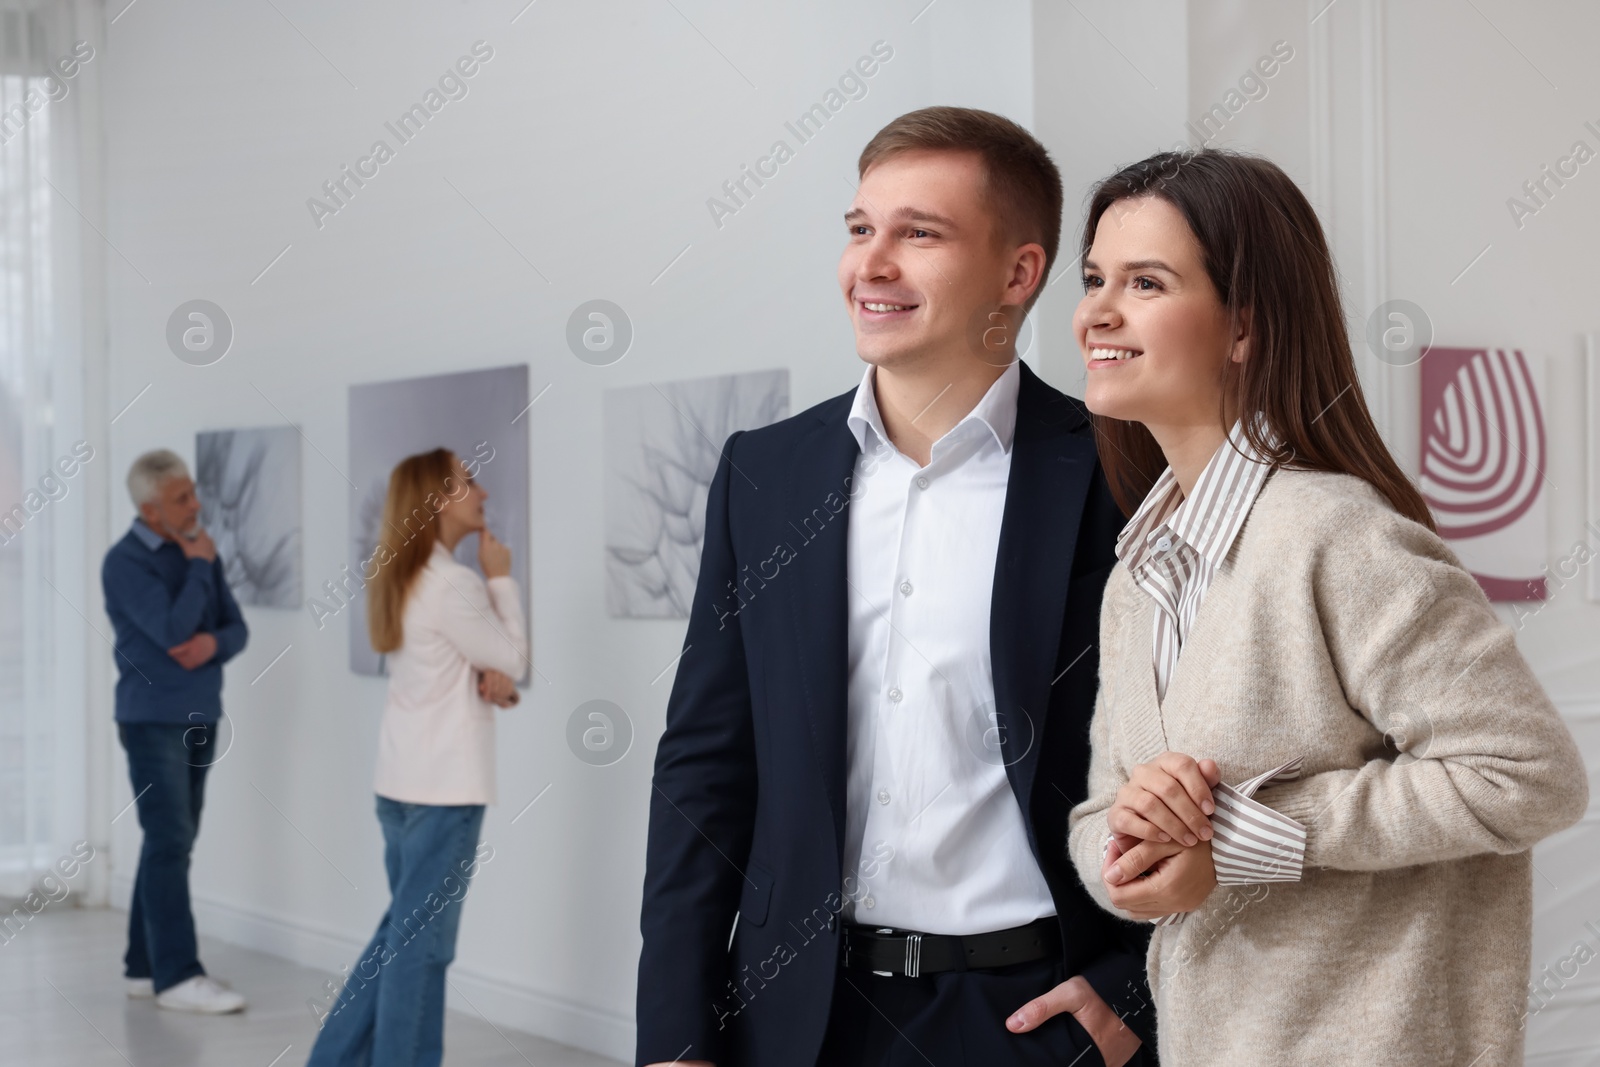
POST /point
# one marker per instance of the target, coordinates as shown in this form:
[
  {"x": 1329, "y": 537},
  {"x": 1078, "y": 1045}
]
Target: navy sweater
[{"x": 158, "y": 598}]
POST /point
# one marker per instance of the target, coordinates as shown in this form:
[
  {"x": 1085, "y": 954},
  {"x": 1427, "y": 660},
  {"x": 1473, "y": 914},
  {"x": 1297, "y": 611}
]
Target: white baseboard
[{"x": 502, "y": 1002}]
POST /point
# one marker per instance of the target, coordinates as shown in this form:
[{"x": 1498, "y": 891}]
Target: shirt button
[
  {"x": 905, "y": 587},
  {"x": 869, "y": 902},
  {"x": 922, "y": 481},
  {"x": 895, "y": 695},
  {"x": 1164, "y": 545},
  {"x": 883, "y": 796}
]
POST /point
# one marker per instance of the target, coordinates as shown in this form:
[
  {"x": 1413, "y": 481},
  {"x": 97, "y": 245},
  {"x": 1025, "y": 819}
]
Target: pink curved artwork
[{"x": 1483, "y": 465}]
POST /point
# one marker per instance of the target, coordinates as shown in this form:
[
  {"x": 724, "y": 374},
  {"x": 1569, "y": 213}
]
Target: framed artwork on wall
[
  {"x": 1484, "y": 453},
  {"x": 248, "y": 482},
  {"x": 663, "y": 443},
  {"x": 478, "y": 415}
]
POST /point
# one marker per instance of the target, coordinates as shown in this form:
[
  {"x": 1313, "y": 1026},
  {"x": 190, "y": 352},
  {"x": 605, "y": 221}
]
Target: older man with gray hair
[{"x": 176, "y": 624}]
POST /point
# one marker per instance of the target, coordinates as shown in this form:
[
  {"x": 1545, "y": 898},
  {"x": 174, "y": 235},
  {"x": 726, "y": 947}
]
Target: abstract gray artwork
[
  {"x": 480, "y": 415},
  {"x": 662, "y": 448},
  {"x": 249, "y": 487}
]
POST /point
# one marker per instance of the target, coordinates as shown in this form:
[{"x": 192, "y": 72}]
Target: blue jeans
[
  {"x": 391, "y": 1010},
  {"x": 167, "y": 765}
]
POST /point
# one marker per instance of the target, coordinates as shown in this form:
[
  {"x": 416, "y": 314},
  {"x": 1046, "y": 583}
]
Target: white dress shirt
[
  {"x": 436, "y": 740},
  {"x": 934, "y": 836}
]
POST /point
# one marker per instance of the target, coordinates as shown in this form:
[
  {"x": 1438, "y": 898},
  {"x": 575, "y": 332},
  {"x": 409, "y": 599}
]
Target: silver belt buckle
[
  {"x": 885, "y": 930},
  {"x": 913, "y": 955}
]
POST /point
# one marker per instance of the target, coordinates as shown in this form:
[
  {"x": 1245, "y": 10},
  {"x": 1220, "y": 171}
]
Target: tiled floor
[{"x": 63, "y": 1004}]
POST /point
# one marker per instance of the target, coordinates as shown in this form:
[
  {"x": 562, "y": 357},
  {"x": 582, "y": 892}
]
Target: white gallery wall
[{"x": 578, "y": 166}]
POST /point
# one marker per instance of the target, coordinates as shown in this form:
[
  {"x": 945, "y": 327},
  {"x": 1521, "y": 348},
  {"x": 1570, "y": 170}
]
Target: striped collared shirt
[{"x": 1172, "y": 547}]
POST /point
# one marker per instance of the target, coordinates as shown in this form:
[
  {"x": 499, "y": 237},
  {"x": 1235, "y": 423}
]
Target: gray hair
[{"x": 150, "y": 470}]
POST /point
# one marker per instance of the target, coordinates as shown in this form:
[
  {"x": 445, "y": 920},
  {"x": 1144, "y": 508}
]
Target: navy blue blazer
[
  {"x": 156, "y": 598},
  {"x": 748, "y": 805}
]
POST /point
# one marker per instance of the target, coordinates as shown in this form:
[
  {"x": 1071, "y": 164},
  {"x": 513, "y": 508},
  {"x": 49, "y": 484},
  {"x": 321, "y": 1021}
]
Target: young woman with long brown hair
[
  {"x": 454, "y": 642},
  {"x": 1302, "y": 689}
]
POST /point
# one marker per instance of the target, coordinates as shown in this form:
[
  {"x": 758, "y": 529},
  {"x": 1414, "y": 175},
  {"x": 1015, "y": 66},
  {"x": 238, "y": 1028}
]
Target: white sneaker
[
  {"x": 200, "y": 994},
  {"x": 144, "y": 988}
]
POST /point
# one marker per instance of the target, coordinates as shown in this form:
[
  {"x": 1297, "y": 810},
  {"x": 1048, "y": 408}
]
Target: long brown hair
[
  {"x": 1265, "y": 251},
  {"x": 418, "y": 486}
]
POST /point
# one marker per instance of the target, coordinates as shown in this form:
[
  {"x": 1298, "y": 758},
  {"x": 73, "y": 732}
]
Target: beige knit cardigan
[{"x": 1340, "y": 631}]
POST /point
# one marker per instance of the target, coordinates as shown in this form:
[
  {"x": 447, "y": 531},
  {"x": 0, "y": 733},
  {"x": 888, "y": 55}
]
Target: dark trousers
[
  {"x": 167, "y": 765},
  {"x": 953, "y": 1019}
]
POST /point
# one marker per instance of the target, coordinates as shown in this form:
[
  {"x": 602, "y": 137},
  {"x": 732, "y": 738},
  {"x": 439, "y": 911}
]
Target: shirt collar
[
  {"x": 996, "y": 412},
  {"x": 147, "y": 537},
  {"x": 1209, "y": 519}
]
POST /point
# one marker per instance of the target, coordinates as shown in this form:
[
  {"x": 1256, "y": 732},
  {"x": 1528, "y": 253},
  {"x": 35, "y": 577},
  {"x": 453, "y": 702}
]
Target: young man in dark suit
[{"x": 881, "y": 719}]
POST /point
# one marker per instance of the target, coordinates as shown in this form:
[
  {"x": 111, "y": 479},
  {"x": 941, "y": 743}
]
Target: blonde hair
[{"x": 405, "y": 542}]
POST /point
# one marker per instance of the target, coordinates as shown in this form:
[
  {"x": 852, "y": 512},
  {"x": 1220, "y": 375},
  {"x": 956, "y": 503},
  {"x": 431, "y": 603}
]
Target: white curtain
[{"x": 48, "y": 291}]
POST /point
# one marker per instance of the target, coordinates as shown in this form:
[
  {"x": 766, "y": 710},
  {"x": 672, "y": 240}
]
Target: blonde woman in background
[{"x": 455, "y": 642}]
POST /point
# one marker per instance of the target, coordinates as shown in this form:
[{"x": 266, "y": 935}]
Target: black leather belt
[{"x": 884, "y": 950}]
